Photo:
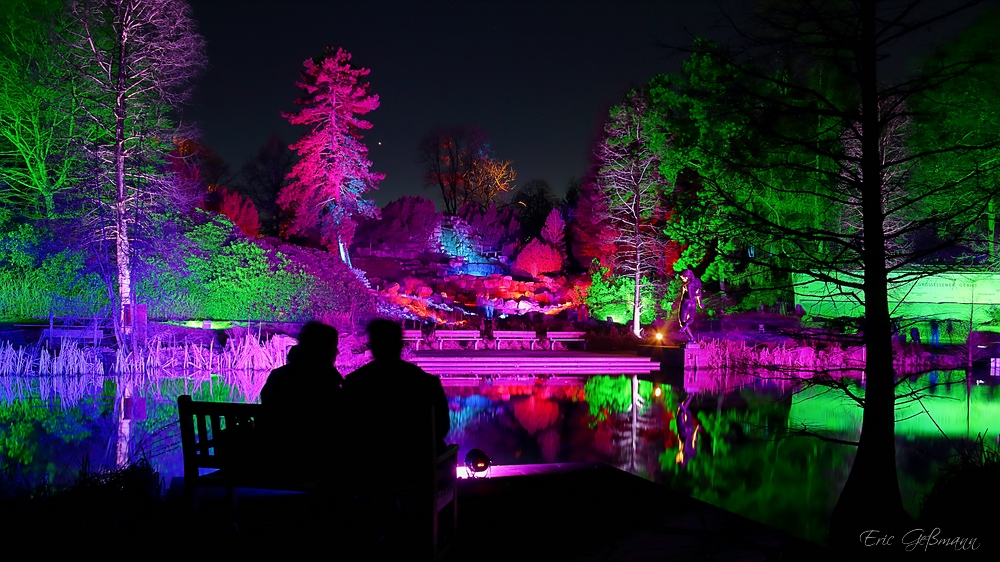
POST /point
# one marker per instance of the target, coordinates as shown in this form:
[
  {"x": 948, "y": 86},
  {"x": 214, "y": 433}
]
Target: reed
[
  {"x": 801, "y": 360},
  {"x": 245, "y": 352}
]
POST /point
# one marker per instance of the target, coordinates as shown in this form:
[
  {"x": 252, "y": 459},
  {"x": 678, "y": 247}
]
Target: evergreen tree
[
  {"x": 554, "y": 232},
  {"x": 327, "y": 185}
]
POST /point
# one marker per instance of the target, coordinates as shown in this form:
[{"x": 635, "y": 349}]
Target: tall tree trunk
[
  {"x": 871, "y": 498},
  {"x": 637, "y": 307},
  {"x": 637, "y": 294},
  {"x": 123, "y": 249}
]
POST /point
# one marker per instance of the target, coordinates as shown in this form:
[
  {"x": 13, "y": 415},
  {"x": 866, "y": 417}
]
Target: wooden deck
[{"x": 500, "y": 363}]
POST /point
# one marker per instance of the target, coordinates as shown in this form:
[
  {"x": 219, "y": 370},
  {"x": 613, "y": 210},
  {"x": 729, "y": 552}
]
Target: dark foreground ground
[
  {"x": 577, "y": 512},
  {"x": 586, "y": 512}
]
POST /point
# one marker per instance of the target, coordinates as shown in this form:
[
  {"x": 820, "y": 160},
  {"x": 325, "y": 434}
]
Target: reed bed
[
  {"x": 729, "y": 354},
  {"x": 68, "y": 359},
  {"x": 72, "y": 371},
  {"x": 243, "y": 353}
]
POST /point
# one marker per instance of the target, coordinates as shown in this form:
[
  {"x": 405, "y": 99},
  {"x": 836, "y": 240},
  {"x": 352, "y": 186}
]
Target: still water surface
[{"x": 733, "y": 441}]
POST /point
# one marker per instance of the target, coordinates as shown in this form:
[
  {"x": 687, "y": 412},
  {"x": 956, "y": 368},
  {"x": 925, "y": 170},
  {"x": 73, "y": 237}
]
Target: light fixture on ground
[{"x": 477, "y": 463}]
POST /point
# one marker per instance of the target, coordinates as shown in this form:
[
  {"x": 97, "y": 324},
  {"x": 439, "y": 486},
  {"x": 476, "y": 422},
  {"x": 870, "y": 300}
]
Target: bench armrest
[{"x": 449, "y": 451}]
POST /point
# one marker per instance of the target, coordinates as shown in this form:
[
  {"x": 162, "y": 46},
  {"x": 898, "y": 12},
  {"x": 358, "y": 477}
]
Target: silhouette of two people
[{"x": 370, "y": 436}]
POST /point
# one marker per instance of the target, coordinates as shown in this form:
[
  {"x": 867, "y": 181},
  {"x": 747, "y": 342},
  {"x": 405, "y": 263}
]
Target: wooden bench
[
  {"x": 458, "y": 335},
  {"x": 206, "y": 425},
  {"x": 203, "y": 426},
  {"x": 564, "y": 337},
  {"x": 414, "y": 336},
  {"x": 515, "y": 335},
  {"x": 81, "y": 333}
]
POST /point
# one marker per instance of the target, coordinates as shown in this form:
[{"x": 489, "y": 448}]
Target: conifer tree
[
  {"x": 327, "y": 185},
  {"x": 553, "y": 231}
]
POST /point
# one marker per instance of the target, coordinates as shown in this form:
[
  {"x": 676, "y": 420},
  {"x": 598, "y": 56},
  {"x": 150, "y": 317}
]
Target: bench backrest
[
  {"x": 514, "y": 334},
  {"x": 201, "y": 427},
  {"x": 457, "y": 334}
]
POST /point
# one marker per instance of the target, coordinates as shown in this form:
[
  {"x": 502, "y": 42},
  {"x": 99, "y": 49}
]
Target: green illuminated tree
[
  {"x": 783, "y": 137},
  {"x": 613, "y": 296},
  {"x": 37, "y": 120}
]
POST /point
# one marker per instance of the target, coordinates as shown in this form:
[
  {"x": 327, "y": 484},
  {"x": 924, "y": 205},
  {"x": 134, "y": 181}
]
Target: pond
[{"x": 734, "y": 441}]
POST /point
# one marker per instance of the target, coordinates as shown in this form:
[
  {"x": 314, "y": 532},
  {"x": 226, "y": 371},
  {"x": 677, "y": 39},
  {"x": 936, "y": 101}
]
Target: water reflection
[
  {"x": 736, "y": 441},
  {"x": 49, "y": 424}
]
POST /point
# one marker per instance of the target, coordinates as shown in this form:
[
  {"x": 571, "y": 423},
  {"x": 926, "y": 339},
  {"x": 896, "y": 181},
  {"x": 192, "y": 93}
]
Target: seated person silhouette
[
  {"x": 303, "y": 408},
  {"x": 389, "y": 402}
]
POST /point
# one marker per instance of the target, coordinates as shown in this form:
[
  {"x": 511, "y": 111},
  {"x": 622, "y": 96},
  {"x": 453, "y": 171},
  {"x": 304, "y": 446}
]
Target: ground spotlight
[
  {"x": 477, "y": 462},
  {"x": 657, "y": 392},
  {"x": 659, "y": 336}
]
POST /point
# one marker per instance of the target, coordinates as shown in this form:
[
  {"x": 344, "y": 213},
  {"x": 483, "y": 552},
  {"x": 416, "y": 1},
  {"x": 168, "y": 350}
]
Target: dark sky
[{"x": 537, "y": 76}]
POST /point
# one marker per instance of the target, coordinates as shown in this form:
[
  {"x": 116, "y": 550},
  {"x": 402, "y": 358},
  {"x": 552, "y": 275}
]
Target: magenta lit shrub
[{"x": 537, "y": 258}]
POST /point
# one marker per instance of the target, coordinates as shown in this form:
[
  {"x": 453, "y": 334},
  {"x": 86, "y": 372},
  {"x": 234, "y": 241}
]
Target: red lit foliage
[
  {"x": 198, "y": 170},
  {"x": 536, "y": 258},
  {"x": 241, "y": 211}
]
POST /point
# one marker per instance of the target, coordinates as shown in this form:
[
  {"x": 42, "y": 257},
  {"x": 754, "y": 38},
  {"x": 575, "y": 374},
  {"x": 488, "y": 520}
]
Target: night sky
[{"x": 539, "y": 77}]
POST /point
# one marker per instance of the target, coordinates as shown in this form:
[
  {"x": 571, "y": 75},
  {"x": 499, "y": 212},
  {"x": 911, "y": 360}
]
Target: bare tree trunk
[
  {"x": 871, "y": 498},
  {"x": 123, "y": 248},
  {"x": 637, "y": 306}
]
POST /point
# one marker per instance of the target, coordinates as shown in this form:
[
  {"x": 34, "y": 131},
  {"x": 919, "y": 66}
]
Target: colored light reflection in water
[{"x": 728, "y": 440}]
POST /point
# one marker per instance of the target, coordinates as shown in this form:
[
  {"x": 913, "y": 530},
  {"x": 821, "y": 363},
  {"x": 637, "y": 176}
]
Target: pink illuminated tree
[
  {"x": 536, "y": 258},
  {"x": 327, "y": 185}
]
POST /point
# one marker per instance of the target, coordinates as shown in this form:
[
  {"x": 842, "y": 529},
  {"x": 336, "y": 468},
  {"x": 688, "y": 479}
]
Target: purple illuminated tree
[
  {"x": 327, "y": 185},
  {"x": 134, "y": 61},
  {"x": 554, "y": 232},
  {"x": 631, "y": 183}
]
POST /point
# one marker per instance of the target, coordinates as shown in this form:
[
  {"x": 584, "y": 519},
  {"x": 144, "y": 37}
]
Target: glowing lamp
[
  {"x": 659, "y": 336},
  {"x": 657, "y": 392},
  {"x": 476, "y": 461}
]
